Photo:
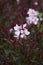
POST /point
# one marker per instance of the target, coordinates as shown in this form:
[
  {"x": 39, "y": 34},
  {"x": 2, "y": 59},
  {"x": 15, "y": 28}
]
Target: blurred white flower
[
  {"x": 32, "y": 12},
  {"x": 29, "y": 20},
  {"x": 18, "y": 1},
  {"x": 35, "y": 3},
  {"x": 32, "y": 18},
  {"x": 20, "y": 31},
  {"x": 10, "y": 30}
]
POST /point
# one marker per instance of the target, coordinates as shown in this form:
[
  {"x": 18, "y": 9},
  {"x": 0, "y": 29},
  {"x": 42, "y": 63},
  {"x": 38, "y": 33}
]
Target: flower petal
[
  {"x": 22, "y": 31},
  {"x": 22, "y": 36},
  {"x": 17, "y": 33},
  {"x": 35, "y": 20},
  {"x": 26, "y": 32},
  {"x": 24, "y": 25},
  {"x": 16, "y": 27},
  {"x": 10, "y": 30}
]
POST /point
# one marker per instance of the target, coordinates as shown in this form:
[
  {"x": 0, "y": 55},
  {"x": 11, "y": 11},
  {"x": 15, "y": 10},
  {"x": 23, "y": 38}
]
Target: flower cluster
[
  {"x": 20, "y": 31},
  {"x": 32, "y": 17}
]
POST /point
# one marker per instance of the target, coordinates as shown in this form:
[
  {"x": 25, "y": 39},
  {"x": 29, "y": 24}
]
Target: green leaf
[
  {"x": 39, "y": 15},
  {"x": 38, "y": 25}
]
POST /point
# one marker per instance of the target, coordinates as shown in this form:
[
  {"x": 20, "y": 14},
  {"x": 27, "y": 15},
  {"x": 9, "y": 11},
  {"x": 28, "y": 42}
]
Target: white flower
[
  {"x": 32, "y": 18},
  {"x": 35, "y": 3},
  {"x": 32, "y": 12},
  {"x": 20, "y": 31}
]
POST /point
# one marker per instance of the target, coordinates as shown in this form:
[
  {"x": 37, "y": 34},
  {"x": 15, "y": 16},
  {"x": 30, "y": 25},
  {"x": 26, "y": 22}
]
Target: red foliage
[
  {"x": 4, "y": 29},
  {"x": 33, "y": 45}
]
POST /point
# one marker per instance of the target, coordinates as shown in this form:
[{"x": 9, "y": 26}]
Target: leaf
[{"x": 39, "y": 15}]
